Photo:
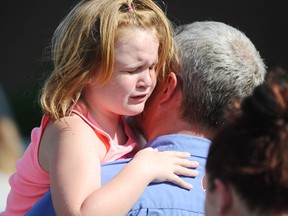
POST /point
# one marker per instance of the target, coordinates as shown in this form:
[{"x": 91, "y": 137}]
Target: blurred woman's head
[{"x": 247, "y": 165}]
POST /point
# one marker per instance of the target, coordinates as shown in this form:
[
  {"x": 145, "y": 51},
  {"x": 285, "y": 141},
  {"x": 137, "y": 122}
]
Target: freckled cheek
[
  {"x": 124, "y": 84},
  {"x": 123, "y": 90}
]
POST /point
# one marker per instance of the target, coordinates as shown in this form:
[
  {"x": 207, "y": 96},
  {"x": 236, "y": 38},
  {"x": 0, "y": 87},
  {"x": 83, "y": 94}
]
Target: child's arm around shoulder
[
  {"x": 72, "y": 154},
  {"x": 147, "y": 166}
]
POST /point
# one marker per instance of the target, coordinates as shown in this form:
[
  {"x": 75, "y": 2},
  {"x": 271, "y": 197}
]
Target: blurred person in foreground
[
  {"x": 11, "y": 147},
  {"x": 247, "y": 164}
]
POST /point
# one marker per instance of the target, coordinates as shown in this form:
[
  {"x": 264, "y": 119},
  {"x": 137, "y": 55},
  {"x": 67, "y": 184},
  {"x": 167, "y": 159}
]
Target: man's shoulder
[
  {"x": 168, "y": 199},
  {"x": 116, "y": 163}
]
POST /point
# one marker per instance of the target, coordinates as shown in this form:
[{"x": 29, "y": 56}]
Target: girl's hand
[{"x": 166, "y": 166}]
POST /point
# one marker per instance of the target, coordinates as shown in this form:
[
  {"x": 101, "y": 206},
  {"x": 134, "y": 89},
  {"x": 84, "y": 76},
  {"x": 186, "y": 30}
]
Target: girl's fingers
[
  {"x": 182, "y": 171},
  {"x": 180, "y": 182},
  {"x": 177, "y": 154},
  {"x": 187, "y": 163}
]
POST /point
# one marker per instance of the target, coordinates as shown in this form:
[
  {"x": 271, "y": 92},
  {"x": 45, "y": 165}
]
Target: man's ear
[
  {"x": 169, "y": 87},
  {"x": 225, "y": 196}
]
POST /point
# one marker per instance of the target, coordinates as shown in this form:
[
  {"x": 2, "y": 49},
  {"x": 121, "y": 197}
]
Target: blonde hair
[{"x": 84, "y": 41}]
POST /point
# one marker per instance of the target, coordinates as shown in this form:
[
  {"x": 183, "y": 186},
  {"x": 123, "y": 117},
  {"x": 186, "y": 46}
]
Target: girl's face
[{"x": 133, "y": 78}]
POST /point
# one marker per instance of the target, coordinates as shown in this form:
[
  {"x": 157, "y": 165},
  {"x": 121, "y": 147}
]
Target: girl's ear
[
  {"x": 225, "y": 196},
  {"x": 168, "y": 88}
]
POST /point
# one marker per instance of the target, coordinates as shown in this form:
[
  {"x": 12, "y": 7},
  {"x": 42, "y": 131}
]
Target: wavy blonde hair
[{"x": 84, "y": 41}]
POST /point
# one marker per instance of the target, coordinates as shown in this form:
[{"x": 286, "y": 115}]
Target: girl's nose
[{"x": 147, "y": 78}]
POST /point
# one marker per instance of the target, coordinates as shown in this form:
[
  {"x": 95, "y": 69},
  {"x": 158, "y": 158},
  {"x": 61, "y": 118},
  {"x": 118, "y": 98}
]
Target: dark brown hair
[{"x": 251, "y": 152}]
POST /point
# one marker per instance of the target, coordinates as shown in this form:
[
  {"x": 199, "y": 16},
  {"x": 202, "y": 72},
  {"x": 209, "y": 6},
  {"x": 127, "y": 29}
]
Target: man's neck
[{"x": 181, "y": 128}]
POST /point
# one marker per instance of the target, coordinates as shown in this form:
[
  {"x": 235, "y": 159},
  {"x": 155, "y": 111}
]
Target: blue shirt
[{"x": 158, "y": 198}]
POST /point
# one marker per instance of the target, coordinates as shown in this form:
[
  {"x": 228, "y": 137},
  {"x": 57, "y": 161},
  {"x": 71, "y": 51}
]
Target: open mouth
[{"x": 139, "y": 97}]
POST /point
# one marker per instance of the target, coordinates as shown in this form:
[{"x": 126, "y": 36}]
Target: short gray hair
[{"x": 218, "y": 63}]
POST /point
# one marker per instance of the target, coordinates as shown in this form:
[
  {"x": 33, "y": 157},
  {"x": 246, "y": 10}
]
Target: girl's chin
[{"x": 134, "y": 112}]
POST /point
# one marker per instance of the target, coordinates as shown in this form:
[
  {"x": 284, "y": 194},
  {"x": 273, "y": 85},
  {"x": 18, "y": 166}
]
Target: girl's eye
[
  {"x": 131, "y": 72},
  {"x": 152, "y": 67}
]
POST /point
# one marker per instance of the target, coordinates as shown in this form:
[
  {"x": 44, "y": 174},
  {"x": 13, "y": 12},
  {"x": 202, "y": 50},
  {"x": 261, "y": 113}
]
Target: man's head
[{"x": 217, "y": 64}]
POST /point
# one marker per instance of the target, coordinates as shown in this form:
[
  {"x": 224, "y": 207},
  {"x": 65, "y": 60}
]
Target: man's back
[
  {"x": 166, "y": 198},
  {"x": 158, "y": 198}
]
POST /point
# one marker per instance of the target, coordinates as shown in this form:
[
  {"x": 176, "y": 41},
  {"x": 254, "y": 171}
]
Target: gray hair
[{"x": 218, "y": 63}]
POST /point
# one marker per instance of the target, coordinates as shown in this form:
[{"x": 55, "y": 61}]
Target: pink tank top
[{"x": 30, "y": 182}]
